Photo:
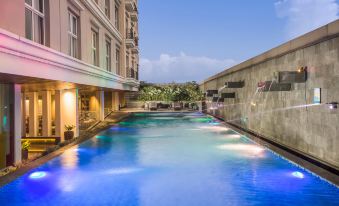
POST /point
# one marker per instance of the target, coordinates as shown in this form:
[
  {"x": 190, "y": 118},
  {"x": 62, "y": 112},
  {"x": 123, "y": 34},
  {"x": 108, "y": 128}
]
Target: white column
[
  {"x": 23, "y": 110},
  {"x": 33, "y": 110},
  {"x": 58, "y": 113},
  {"x": 46, "y": 114},
  {"x": 17, "y": 122},
  {"x": 117, "y": 101},
  {"x": 66, "y": 111},
  {"x": 101, "y": 105},
  {"x": 113, "y": 101}
]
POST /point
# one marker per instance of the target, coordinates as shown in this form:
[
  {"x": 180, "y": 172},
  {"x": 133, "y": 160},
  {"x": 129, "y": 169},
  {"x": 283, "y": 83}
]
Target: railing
[
  {"x": 131, "y": 35},
  {"x": 131, "y": 73},
  {"x": 87, "y": 119},
  {"x": 107, "y": 111}
]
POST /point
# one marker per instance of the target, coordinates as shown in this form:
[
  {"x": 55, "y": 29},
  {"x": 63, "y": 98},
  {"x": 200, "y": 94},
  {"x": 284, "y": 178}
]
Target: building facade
[{"x": 61, "y": 62}]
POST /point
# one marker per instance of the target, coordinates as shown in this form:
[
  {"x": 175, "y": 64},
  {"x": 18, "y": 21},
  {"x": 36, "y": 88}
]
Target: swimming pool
[{"x": 169, "y": 159}]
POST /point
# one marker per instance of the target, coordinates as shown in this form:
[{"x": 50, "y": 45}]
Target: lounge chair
[
  {"x": 177, "y": 106},
  {"x": 153, "y": 106}
]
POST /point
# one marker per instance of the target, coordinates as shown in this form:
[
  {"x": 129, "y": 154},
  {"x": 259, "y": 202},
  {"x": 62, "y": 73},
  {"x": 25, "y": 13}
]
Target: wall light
[
  {"x": 332, "y": 105},
  {"x": 302, "y": 69}
]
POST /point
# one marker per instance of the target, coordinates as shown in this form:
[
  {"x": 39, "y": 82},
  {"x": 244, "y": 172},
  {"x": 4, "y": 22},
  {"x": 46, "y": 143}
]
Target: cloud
[
  {"x": 181, "y": 68},
  {"x": 306, "y": 15}
]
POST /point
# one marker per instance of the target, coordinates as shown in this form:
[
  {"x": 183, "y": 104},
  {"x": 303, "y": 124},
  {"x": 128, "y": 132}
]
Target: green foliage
[
  {"x": 69, "y": 127},
  {"x": 25, "y": 145},
  {"x": 188, "y": 92}
]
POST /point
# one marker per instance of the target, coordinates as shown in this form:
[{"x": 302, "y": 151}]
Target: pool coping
[
  {"x": 4, "y": 180},
  {"x": 304, "y": 161}
]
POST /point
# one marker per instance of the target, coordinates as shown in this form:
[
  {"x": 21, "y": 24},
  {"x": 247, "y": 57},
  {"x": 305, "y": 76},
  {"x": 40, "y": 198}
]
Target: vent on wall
[
  {"x": 240, "y": 84},
  {"x": 228, "y": 95},
  {"x": 210, "y": 93},
  {"x": 270, "y": 86},
  {"x": 293, "y": 77}
]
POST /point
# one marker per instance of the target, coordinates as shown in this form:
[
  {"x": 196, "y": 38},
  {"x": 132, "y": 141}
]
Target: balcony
[
  {"x": 134, "y": 16},
  {"x": 135, "y": 50},
  {"x": 132, "y": 77},
  {"x": 130, "y": 5},
  {"x": 131, "y": 73},
  {"x": 130, "y": 41}
]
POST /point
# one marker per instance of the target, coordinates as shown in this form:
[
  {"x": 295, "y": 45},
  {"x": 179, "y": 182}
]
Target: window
[
  {"x": 126, "y": 22},
  {"x": 116, "y": 13},
  {"x": 107, "y": 8},
  {"x": 108, "y": 55},
  {"x": 127, "y": 61},
  {"x": 94, "y": 48},
  {"x": 117, "y": 61},
  {"x": 35, "y": 20},
  {"x": 73, "y": 36}
]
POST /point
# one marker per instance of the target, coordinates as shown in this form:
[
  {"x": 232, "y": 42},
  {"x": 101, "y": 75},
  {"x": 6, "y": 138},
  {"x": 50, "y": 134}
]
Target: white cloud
[
  {"x": 181, "y": 68},
  {"x": 306, "y": 15}
]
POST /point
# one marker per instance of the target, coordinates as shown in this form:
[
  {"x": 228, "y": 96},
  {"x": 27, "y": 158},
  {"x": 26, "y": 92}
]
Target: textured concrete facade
[{"x": 289, "y": 117}]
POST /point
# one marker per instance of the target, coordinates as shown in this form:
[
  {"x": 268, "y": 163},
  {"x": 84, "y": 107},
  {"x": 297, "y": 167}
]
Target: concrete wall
[{"x": 283, "y": 116}]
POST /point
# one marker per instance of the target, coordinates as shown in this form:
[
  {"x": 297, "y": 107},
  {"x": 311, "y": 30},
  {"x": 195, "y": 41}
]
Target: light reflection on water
[{"x": 169, "y": 159}]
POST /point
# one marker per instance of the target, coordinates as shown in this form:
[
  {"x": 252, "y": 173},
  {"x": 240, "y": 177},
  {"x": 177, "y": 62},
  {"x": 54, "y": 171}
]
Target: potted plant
[
  {"x": 25, "y": 145},
  {"x": 69, "y": 133}
]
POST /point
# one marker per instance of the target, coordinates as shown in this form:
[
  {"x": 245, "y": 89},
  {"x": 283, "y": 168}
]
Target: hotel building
[{"x": 63, "y": 62}]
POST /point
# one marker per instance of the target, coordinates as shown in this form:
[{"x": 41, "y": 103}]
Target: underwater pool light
[
  {"x": 37, "y": 175},
  {"x": 298, "y": 175},
  {"x": 214, "y": 123}
]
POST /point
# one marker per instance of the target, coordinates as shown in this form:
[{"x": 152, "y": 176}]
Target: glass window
[
  {"x": 28, "y": 24},
  {"x": 73, "y": 37},
  {"x": 35, "y": 20},
  {"x": 108, "y": 55},
  {"x": 116, "y": 20},
  {"x": 39, "y": 5},
  {"x": 29, "y": 2},
  {"x": 94, "y": 48},
  {"x": 117, "y": 61},
  {"x": 107, "y": 8}
]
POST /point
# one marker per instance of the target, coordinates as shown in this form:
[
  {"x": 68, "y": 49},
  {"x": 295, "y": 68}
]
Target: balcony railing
[
  {"x": 131, "y": 40},
  {"x": 130, "y": 5},
  {"x": 131, "y": 73}
]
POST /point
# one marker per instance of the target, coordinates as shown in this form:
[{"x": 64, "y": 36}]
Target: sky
[{"x": 190, "y": 40}]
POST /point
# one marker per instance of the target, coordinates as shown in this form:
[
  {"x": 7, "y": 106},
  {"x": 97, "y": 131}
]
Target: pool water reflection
[{"x": 167, "y": 159}]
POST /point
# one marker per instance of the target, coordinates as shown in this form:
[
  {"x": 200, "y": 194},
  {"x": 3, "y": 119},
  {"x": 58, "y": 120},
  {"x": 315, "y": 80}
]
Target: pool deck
[{"x": 119, "y": 116}]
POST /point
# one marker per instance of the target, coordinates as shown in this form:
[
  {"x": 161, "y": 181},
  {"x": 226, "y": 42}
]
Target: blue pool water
[{"x": 164, "y": 159}]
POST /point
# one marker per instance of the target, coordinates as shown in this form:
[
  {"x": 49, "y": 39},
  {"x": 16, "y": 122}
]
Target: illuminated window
[
  {"x": 35, "y": 20},
  {"x": 73, "y": 36}
]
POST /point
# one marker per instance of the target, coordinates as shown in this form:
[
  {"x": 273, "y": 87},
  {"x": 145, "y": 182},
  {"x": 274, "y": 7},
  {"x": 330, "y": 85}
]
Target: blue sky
[{"x": 184, "y": 40}]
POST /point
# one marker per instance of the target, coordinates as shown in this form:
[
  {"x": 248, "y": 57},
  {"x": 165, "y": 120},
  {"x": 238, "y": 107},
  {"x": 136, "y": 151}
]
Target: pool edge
[
  {"x": 313, "y": 165},
  {"x": 4, "y": 180}
]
